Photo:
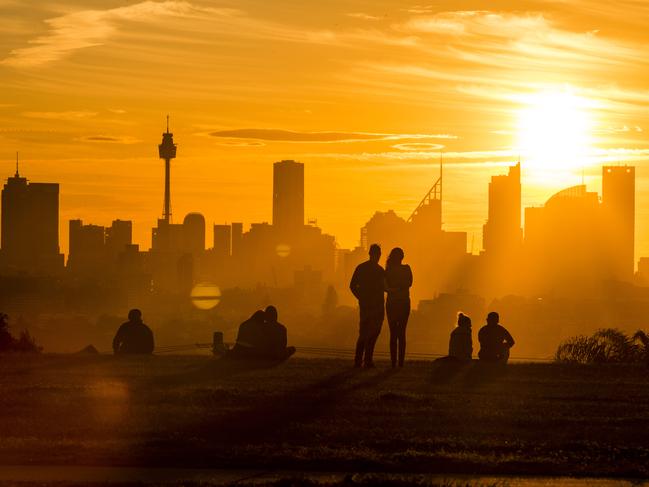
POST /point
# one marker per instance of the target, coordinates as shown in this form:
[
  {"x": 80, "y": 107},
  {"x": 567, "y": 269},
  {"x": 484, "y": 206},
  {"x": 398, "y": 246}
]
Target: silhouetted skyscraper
[
  {"x": 119, "y": 236},
  {"x": 222, "y": 240},
  {"x": 194, "y": 224},
  {"x": 237, "y": 236},
  {"x": 30, "y": 226},
  {"x": 618, "y": 205},
  {"x": 502, "y": 233},
  {"x": 288, "y": 198}
]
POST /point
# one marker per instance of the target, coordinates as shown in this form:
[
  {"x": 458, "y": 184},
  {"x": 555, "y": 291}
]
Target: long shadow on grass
[
  {"x": 211, "y": 371},
  {"x": 466, "y": 374},
  {"x": 271, "y": 419}
]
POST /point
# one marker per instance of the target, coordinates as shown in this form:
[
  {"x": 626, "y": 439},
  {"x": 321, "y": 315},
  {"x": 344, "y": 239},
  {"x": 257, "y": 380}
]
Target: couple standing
[{"x": 369, "y": 284}]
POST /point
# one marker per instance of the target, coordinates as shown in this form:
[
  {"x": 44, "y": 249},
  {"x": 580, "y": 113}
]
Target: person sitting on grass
[
  {"x": 495, "y": 341},
  {"x": 275, "y": 337},
  {"x": 460, "y": 346},
  {"x": 249, "y": 338},
  {"x": 133, "y": 337}
]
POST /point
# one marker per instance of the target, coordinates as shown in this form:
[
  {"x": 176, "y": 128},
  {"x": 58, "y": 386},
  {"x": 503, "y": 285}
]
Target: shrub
[
  {"x": 25, "y": 342},
  {"x": 607, "y": 345}
]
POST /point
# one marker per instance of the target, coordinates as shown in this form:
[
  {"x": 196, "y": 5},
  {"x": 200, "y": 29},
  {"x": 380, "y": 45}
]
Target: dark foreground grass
[{"x": 321, "y": 415}]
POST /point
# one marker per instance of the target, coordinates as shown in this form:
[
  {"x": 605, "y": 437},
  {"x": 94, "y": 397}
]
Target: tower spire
[
  {"x": 17, "y": 174},
  {"x": 167, "y": 151}
]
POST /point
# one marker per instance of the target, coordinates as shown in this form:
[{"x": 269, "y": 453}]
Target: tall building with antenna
[{"x": 30, "y": 226}]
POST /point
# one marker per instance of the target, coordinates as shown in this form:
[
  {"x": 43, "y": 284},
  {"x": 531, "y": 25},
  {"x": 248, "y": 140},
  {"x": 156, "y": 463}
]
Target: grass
[{"x": 321, "y": 415}]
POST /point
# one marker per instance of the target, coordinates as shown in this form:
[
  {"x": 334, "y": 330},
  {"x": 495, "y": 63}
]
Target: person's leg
[
  {"x": 504, "y": 357},
  {"x": 403, "y": 323},
  {"x": 361, "y": 342},
  {"x": 375, "y": 321},
  {"x": 394, "y": 334}
]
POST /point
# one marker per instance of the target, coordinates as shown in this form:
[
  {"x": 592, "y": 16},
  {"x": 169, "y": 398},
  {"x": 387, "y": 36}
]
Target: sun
[{"x": 554, "y": 134}]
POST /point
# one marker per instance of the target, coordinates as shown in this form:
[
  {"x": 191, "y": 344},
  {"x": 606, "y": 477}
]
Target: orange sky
[{"x": 86, "y": 87}]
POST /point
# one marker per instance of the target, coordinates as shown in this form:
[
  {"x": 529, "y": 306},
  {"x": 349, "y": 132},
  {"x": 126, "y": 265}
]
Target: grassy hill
[{"x": 322, "y": 415}]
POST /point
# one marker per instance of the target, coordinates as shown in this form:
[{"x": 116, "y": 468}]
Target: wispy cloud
[
  {"x": 110, "y": 139},
  {"x": 87, "y": 28},
  {"x": 66, "y": 116},
  {"x": 363, "y": 16},
  {"x": 279, "y": 135}
]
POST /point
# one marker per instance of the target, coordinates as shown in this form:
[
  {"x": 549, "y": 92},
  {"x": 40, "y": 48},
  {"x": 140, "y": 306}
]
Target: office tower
[
  {"x": 502, "y": 232},
  {"x": 222, "y": 240},
  {"x": 30, "y": 226},
  {"x": 167, "y": 151},
  {"x": 288, "y": 198},
  {"x": 87, "y": 250},
  {"x": 618, "y": 206},
  {"x": 119, "y": 236},
  {"x": 565, "y": 252},
  {"x": 237, "y": 236},
  {"x": 194, "y": 229}
]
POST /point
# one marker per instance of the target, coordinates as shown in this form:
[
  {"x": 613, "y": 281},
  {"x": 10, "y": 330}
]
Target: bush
[
  {"x": 24, "y": 344},
  {"x": 606, "y": 346}
]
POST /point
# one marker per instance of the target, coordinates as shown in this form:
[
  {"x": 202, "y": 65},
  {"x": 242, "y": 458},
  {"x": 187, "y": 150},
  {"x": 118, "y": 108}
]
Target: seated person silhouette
[
  {"x": 460, "y": 346},
  {"x": 249, "y": 338},
  {"x": 495, "y": 341},
  {"x": 275, "y": 338},
  {"x": 133, "y": 337}
]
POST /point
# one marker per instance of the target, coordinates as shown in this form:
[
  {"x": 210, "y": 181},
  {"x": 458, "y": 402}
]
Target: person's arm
[
  {"x": 409, "y": 277},
  {"x": 283, "y": 338},
  {"x": 509, "y": 340},
  {"x": 354, "y": 284},
  {"x": 150, "y": 345},
  {"x": 117, "y": 341}
]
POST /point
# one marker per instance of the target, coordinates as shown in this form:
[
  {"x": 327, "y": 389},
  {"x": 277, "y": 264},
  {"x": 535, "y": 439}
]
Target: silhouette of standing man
[{"x": 367, "y": 285}]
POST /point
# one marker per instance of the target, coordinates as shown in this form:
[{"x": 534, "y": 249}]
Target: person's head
[
  {"x": 395, "y": 257},
  {"x": 270, "y": 314},
  {"x": 463, "y": 320},
  {"x": 375, "y": 252},
  {"x": 493, "y": 318},
  {"x": 135, "y": 315}
]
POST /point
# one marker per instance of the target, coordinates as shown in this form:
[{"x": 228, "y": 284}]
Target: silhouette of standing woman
[{"x": 398, "y": 280}]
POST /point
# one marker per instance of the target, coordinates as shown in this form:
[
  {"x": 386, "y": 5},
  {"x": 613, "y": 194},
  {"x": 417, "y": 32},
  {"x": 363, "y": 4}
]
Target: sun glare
[{"x": 554, "y": 133}]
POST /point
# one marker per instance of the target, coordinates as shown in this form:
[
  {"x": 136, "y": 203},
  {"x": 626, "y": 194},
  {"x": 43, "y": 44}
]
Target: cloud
[
  {"x": 363, "y": 16},
  {"x": 278, "y": 135},
  {"x": 68, "y": 116},
  {"x": 110, "y": 139},
  {"x": 88, "y": 28},
  {"x": 117, "y": 111},
  {"x": 417, "y": 146}
]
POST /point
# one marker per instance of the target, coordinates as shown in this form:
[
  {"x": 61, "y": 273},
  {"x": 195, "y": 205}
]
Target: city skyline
[
  {"x": 366, "y": 96},
  {"x": 474, "y": 246}
]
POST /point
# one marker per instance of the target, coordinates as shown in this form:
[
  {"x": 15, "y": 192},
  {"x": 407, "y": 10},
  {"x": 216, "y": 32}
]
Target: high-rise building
[
  {"x": 237, "y": 237},
  {"x": 288, "y": 198},
  {"x": 194, "y": 224},
  {"x": 222, "y": 240},
  {"x": 30, "y": 226},
  {"x": 502, "y": 233},
  {"x": 618, "y": 205},
  {"x": 119, "y": 236},
  {"x": 87, "y": 253}
]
